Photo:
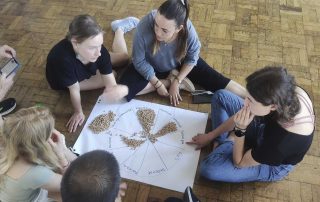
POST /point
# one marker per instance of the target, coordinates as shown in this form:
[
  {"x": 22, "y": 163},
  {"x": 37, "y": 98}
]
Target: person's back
[
  {"x": 33, "y": 156},
  {"x": 25, "y": 186},
  {"x": 93, "y": 176},
  {"x": 27, "y": 160}
]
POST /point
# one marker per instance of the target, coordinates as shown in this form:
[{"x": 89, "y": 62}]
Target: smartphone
[{"x": 12, "y": 65}]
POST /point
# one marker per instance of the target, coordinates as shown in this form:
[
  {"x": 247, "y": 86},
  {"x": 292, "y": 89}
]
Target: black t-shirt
[
  {"x": 63, "y": 69},
  {"x": 280, "y": 146}
]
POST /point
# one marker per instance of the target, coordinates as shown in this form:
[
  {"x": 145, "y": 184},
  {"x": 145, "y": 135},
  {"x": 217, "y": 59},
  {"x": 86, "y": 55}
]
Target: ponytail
[{"x": 183, "y": 34}]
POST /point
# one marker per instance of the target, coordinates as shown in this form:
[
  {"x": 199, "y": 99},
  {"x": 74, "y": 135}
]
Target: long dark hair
[
  {"x": 273, "y": 85},
  {"x": 83, "y": 27},
  {"x": 177, "y": 10}
]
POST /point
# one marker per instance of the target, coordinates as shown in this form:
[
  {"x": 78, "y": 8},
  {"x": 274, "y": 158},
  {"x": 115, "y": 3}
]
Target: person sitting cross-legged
[
  {"x": 261, "y": 137},
  {"x": 80, "y": 62}
]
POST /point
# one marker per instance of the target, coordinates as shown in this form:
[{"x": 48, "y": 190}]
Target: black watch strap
[
  {"x": 73, "y": 151},
  {"x": 239, "y": 133}
]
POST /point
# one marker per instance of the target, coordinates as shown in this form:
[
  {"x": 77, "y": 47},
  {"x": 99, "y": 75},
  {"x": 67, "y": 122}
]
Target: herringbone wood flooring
[{"x": 238, "y": 36}]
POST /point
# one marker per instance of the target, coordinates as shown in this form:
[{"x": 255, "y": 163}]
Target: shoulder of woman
[
  {"x": 61, "y": 51},
  {"x": 190, "y": 24},
  {"x": 147, "y": 20},
  {"x": 153, "y": 12},
  {"x": 304, "y": 129},
  {"x": 144, "y": 29},
  {"x": 303, "y": 93},
  {"x": 303, "y": 122},
  {"x": 41, "y": 168},
  {"x": 305, "y": 102},
  {"x": 192, "y": 30}
]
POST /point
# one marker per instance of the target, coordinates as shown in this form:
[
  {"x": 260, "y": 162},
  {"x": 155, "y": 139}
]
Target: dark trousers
[{"x": 201, "y": 74}]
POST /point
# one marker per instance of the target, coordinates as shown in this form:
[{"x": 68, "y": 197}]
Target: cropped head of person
[
  {"x": 272, "y": 90},
  {"x": 93, "y": 176},
  {"x": 25, "y": 134},
  {"x": 170, "y": 24},
  {"x": 86, "y": 37}
]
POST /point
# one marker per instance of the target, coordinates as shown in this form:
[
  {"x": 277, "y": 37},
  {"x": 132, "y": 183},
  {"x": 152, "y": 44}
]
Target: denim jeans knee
[
  {"x": 224, "y": 105},
  {"x": 216, "y": 98},
  {"x": 215, "y": 163}
]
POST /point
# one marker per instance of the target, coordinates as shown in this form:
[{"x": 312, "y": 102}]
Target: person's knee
[
  {"x": 217, "y": 171},
  {"x": 208, "y": 170},
  {"x": 126, "y": 57},
  {"x": 120, "y": 59},
  {"x": 218, "y": 97}
]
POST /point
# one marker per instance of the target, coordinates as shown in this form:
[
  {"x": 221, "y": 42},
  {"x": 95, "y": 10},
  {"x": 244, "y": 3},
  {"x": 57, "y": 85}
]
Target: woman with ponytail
[
  {"x": 33, "y": 156},
  {"x": 166, "y": 59}
]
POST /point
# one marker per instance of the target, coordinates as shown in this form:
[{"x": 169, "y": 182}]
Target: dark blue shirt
[{"x": 63, "y": 69}]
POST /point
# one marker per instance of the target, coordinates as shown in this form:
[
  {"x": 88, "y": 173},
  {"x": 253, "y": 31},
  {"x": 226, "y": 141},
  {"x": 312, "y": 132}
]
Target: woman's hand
[
  {"x": 5, "y": 84},
  {"x": 76, "y": 120},
  {"x": 7, "y": 51},
  {"x": 57, "y": 142},
  {"x": 243, "y": 118},
  {"x": 162, "y": 90},
  {"x": 122, "y": 191},
  {"x": 174, "y": 93},
  {"x": 200, "y": 140}
]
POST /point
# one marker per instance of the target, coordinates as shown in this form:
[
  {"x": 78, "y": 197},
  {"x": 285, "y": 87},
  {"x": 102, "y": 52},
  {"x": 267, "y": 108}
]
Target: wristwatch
[
  {"x": 238, "y": 132},
  {"x": 179, "y": 81}
]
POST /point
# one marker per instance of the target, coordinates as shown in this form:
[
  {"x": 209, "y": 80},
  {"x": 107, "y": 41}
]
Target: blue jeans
[{"x": 218, "y": 165}]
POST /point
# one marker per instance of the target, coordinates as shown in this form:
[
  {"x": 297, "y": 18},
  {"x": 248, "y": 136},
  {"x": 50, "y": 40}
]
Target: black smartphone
[
  {"x": 202, "y": 98},
  {"x": 12, "y": 65}
]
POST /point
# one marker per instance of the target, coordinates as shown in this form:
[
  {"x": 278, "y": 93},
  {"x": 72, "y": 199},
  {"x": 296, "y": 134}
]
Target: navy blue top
[{"x": 63, "y": 69}]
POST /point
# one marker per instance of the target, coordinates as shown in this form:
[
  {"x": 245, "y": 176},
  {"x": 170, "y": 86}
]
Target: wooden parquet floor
[{"x": 238, "y": 36}]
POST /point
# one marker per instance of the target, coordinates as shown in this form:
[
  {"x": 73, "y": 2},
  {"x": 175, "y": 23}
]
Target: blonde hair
[{"x": 25, "y": 135}]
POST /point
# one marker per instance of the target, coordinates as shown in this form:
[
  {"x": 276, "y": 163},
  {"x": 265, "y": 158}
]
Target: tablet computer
[{"x": 12, "y": 65}]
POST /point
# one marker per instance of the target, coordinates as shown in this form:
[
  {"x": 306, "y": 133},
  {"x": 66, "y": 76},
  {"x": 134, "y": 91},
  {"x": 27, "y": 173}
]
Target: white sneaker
[
  {"x": 186, "y": 84},
  {"x": 125, "y": 24}
]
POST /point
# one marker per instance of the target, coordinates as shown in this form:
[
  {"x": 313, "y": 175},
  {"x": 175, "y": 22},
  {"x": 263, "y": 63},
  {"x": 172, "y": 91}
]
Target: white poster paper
[{"x": 155, "y": 154}]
